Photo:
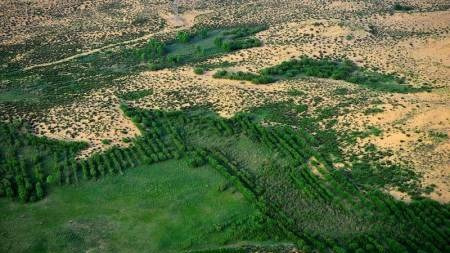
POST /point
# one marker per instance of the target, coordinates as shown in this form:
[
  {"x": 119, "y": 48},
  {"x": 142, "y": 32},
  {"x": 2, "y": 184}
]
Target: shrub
[
  {"x": 263, "y": 79},
  {"x": 39, "y": 191},
  {"x": 199, "y": 71},
  {"x": 183, "y": 37},
  {"x": 154, "y": 49},
  {"x": 106, "y": 141},
  {"x": 220, "y": 74},
  {"x": 401, "y": 7},
  {"x": 136, "y": 119},
  {"x": 218, "y": 42}
]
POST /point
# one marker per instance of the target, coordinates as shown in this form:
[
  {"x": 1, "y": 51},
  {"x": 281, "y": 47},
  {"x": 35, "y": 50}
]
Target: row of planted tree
[
  {"x": 302, "y": 195},
  {"x": 315, "y": 207}
]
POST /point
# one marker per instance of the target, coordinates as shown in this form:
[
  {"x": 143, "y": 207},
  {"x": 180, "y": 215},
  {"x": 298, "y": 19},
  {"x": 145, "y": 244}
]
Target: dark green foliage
[
  {"x": 402, "y": 7},
  {"x": 241, "y": 32},
  {"x": 327, "y": 68},
  {"x": 153, "y": 50},
  {"x": 341, "y": 70},
  {"x": 438, "y": 136},
  {"x": 287, "y": 173},
  {"x": 218, "y": 42},
  {"x": 199, "y": 71},
  {"x": 39, "y": 191},
  {"x": 197, "y": 46},
  {"x": 28, "y": 163},
  {"x": 351, "y": 197},
  {"x": 135, "y": 95},
  {"x": 210, "y": 66},
  {"x": 183, "y": 37},
  {"x": 263, "y": 79},
  {"x": 254, "y": 78},
  {"x": 234, "y": 45}
]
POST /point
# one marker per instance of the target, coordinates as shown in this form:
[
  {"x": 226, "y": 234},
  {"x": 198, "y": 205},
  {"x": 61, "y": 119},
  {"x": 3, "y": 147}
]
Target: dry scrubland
[{"x": 412, "y": 44}]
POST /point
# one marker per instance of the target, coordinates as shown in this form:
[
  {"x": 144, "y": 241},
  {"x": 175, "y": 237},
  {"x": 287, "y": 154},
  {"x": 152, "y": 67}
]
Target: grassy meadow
[{"x": 165, "y": 207}]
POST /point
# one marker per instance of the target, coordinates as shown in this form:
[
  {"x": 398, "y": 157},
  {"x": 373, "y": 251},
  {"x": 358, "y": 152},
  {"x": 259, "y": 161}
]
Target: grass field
[{"x": 165, "y": 207}]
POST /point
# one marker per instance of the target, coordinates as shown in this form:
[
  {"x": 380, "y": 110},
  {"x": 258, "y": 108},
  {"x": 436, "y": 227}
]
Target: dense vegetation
[
  {"x": 197, "y": 46},
  {"x": 402, "y": 7},
  {"x": 288, "y": 175},
  {"x": 324, "y": 68},
  {"x": 29, "y": 163},
  {"x": 135, "y": 95},
  {"x": 164, "y": 207}
]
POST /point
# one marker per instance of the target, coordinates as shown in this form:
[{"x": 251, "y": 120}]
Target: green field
[{"x": 165, "y": 207}]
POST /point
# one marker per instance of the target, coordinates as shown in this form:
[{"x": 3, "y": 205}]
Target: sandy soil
[{"x": 96, "y": 119}]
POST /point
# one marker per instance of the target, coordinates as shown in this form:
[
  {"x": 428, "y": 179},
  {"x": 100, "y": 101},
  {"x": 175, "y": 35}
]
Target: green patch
[
  {"x": 344, "y": 70},
  {"x": 280, "y": 160},
  {"x": 106, "y": 141},
  {"x": 438, "y": 136},
  {"x": 244, "y": 76},
  {"x": 166, "y": 207},
  {"x": 352, "y": 136},
  {"x": 210, "y": 66},
  {"x": 402, "y": 7},
  {"x": 135, "y": 95},
  {"x": 26, "y": 161},
  {"x": 199, "y": 71},
  {"x": 198, "y": 46}
]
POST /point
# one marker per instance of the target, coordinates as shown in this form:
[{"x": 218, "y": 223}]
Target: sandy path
[
  {"x": 183, "y": 21},
  {"x": 145, "y": 37}
]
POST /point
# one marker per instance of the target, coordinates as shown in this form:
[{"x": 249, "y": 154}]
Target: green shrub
[
  {"x": 106, "y": 141},
  {"x": 199, "y": 71},
  {"x": 401, "y": 7},
  {"x": 183, "y": 37}
]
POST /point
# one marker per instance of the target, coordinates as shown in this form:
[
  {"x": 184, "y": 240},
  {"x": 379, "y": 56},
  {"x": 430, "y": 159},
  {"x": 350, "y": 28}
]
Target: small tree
[
  {"x": 183, "y": 37},
  {"x": 39, "y": 191},
  {"x": 93, "y": 172},
  {"x": 199, "y": 71},
  {"x": 218, "y": 41}
]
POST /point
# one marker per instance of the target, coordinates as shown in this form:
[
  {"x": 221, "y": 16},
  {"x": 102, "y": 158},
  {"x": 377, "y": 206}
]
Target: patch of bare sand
[
  {"x": 94, "y": 119},
  {"x": 407, "y": 124},
  {"x": 417, "y": 21},
  {"x": 434, "y": 51},
  {"x": 181, "y": 88},
  {"x": 398, "y": 195},
  {"x": 346, "y": 6},
  {"x": 186, "y": 19}
]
